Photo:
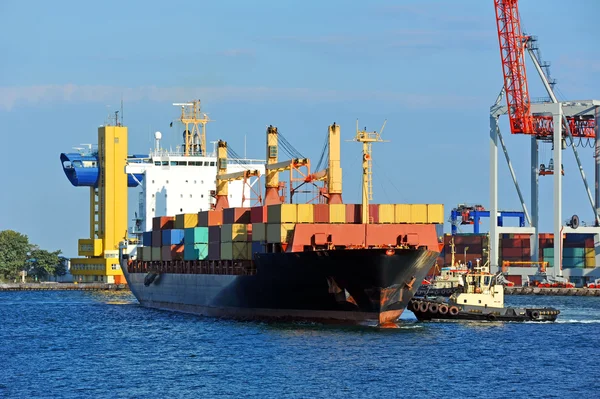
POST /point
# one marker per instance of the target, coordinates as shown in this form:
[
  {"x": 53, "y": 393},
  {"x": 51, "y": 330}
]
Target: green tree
[
  {"x": 43, "y": 263},
  {"x": 14, "y": 248}
]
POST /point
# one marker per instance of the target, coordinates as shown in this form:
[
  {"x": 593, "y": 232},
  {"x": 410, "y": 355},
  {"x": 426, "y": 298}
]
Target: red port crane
[{"x": 512, "y": 45}]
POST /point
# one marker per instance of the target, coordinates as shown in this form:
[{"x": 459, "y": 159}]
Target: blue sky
[{"x": 431, "y": 68}]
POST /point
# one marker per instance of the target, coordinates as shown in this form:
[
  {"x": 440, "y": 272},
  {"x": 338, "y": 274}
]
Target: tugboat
[
  {"x": 449, "y": 281},
  {"x": 481, "y": 298}
]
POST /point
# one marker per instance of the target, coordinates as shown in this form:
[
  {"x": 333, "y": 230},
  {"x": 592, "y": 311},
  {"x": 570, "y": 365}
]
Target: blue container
[
  {"x": 577, "y": 238},
  {"x": 257, "y": 247},
  {"x": 196, "y": 235},
  {"x": 195, "y": 251},
  {"x": 172, "y": 237},
  {"x": 147, "y": 238},
  {"x": 573, "y": 252}
]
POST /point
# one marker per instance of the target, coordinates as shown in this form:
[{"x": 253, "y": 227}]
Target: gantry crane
[{"x": 554, "y": 121}]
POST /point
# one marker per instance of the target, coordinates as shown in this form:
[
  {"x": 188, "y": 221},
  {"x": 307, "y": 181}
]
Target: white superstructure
[{"x": 174, "y": 183}]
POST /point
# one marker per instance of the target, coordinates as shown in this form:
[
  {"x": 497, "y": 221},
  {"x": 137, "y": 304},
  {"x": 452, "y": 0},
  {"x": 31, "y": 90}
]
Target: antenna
[
  {"x": 244, "y": 146},
  {"x": 122, "y": 120}
]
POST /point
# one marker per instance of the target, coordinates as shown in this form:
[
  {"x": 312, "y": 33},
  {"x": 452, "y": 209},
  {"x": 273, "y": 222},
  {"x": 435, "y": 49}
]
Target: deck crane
[
  {"x": 274, "y": 167},
  {"x": 223, "y": 178},
  {"x": 556, "y": 122}
]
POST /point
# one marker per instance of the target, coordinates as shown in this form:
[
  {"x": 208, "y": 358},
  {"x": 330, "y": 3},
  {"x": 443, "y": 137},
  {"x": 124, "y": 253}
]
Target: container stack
[
  {"x": 238, "y": 233},
  {"x": 467, "y": 248},
  {"x": 515, "y": 247}
]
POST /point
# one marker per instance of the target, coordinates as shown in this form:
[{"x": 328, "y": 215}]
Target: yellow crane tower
[
  {"x": 333, "y": 174},
  {"x": 195, "y": 122},
  {"x": 108, "y": 212}
]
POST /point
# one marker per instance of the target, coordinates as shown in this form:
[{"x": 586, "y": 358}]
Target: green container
[
  {"x": 572, "y": 262},
  {"x": 548, "y": 253},
  {"x": 195, "y": 251},
  {"x": 195, "y": 235},
  {"x": 573, "y": 252}
]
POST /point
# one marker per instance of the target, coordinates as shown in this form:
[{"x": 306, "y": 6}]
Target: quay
[
  {"x": 63, "y": 287},
  {"x": 551, "y": 291}
]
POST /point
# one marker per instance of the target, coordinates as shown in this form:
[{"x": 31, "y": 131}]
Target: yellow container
[
  {"x": 590, "y": 257},
  {"x": 282, "y": 213},
  {"x": 386, "y": 213},
  {"x": 186, "y": 220},
  {"x": 90, "y": 247},
  {"x": 234, "y": 232},
  {"x": 259, "y": 232},
  {"x": 435, "y": 213},
  {"x": 418, "y": 213},
  {"x": 280, "y": 233},
  {"x": 305, "y": 213},
  {"x": 337, "y": 213},
  {"x": 402, "y": 213},
  {"x": 227, "y": 250},
  {"x": 242, "y": 250},
  {"x": 155, "y": 253}
]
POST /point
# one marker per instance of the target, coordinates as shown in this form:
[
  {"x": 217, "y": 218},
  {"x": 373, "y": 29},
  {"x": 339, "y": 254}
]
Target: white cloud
[{"x": 26, "y": 96}]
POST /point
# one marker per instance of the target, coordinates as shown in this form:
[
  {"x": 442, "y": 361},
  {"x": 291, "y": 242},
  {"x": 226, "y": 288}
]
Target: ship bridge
[{"x": 82, "y": 169}]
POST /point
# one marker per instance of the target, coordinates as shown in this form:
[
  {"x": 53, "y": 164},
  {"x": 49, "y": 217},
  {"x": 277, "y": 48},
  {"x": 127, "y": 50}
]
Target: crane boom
[{"x": 512, "y": 42}]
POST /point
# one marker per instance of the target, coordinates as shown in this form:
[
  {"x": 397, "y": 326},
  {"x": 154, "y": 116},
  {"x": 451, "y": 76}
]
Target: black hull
[
  {"x": 339, "y": 285},
  {"x": 476, "y": 313}
]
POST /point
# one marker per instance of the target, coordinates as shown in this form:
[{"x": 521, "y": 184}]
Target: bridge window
[
  {"x": 157, "y": 163},
  {"x": 173, "y": 163},
  {"x": 165, "y": 163},
  {"x": 212, "y": 164}
]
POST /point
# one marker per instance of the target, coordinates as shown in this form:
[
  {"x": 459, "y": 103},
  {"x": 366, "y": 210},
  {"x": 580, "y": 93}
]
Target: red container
[
  {"x": 214, "y": 234},
  {"x": 589, "y": 242},
  {"x": 321, "y": 213},
  {"x": 210, "y": 218},
  {"x": 214, "y": 250},
  {"x": 157, "y": 238},
  {"x": 258, "y": 214},
  {"x": 353, "y": 213},
  {"x": 512, "y": 252},
  {"x": 236, "y": 215},
  {"x": 163, "y": 223},
  {"x": 373, "y": 212}
]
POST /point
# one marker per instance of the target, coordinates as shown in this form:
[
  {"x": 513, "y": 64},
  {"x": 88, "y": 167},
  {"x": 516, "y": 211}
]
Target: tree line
[{"x": 17, "y": 254}]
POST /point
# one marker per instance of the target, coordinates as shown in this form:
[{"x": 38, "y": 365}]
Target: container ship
[{"x": 326, "y": 261}]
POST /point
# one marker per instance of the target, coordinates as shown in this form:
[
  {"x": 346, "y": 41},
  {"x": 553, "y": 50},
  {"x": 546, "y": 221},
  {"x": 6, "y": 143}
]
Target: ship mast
[
  {"x": 192, "y": 118},
  {"x": 367, "y": 139}
]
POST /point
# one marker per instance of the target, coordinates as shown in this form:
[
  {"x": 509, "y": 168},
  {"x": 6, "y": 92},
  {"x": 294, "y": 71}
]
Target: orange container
[
  {"x": 210, "y": 218},
  {"x": 163, "y": 223}
]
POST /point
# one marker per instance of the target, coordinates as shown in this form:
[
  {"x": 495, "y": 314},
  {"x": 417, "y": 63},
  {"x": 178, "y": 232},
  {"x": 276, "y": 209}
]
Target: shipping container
[
  {"x": 236, "y": 215},
  {"x": 515, "y": 253},
  {"x": 418, "y": 213},
  {"x": 214, "y": 250},
  {"x": 196, "y": 235},
  {"x": 305, "y": 213},
  {"x": 386, "y": 213},
  {"x": 259, "y": 232},
  {"x": 590, "y": 257},
  {"x": 373, "y": 213},
  {"x": 352, "y": 213},
  {"x": 257, "y": 248},
  {"x": 234, "y": 232},
  {"x": 337, "y": 213},
  {"x": 258, "y": 214},
  {"x": 280, "y": 233},
  {"x": 569, "y": 262},
  {"x": 402, "y": 213},
  {"x": 163, "y": 222},
  {"x": 172, "y": 252},
  {"x": 157, "y": 238},
  {"x": 144, "y": 253},
  {"x": 195, "y": 251},
  {"x": 210, "y": 218},
  {"x": 321, "y": 213},
  {"x": 435, "y": 214},
  {"x": 186, "y": 220},
  {"x": 574, "y": 252},
  {"x": 236, "y": 250},
  {"x": 214, "y": 234},
  {"x": 172, "y": 237},
  {"x": 282, "y": 213},
  {"x": 147, "y": 238},
  {"x": 155, "y": 252}
]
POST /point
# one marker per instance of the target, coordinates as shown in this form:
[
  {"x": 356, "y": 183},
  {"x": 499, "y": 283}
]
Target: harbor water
[{"x": 78, "y": 344}]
